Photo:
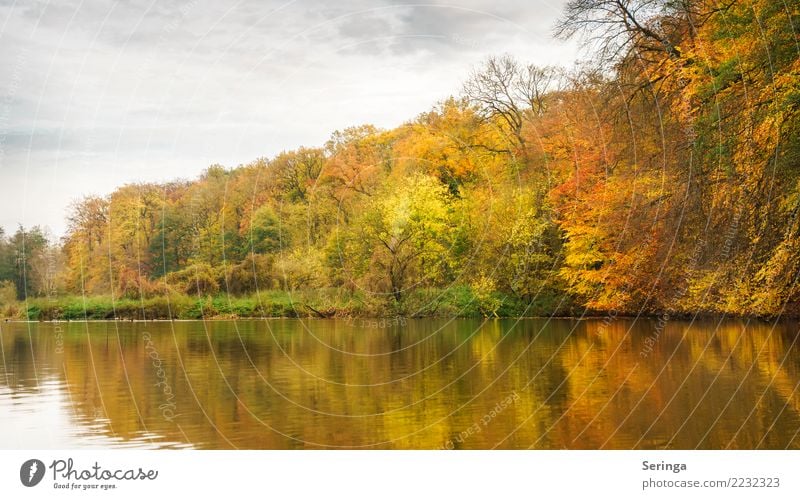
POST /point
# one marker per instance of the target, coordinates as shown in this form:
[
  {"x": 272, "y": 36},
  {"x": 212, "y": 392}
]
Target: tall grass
[{"x": 456, "y": 301}]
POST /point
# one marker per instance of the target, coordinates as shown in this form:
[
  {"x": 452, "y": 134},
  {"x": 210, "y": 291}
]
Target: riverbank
[
  {"x": 452, "y": 302},
  {"x": 458, "y": 301}
]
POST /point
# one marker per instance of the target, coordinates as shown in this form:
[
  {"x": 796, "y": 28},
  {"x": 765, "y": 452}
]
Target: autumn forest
[{"x": 660, "y": 176}]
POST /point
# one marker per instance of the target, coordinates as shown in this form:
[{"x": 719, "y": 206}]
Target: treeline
[
  {"x": 30, "y": 265},
  {"x": 662, "y": 177}
]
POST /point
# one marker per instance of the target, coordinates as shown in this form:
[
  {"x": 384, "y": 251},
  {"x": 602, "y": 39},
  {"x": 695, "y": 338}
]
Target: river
[{"x": 406, "y": 384}]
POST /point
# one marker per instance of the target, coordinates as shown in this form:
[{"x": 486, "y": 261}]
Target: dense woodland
[{"x": 663, "y": 176}]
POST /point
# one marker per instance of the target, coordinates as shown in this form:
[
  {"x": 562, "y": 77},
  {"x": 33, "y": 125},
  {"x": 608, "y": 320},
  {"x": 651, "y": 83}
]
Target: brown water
[{"x": 420, "y": 384}]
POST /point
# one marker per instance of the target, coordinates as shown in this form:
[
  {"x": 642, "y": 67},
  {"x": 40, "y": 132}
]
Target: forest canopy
[{"x": 664, "y": 176}]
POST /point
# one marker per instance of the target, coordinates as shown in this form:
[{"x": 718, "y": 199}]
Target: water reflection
[{"x": 418, "y": 384}]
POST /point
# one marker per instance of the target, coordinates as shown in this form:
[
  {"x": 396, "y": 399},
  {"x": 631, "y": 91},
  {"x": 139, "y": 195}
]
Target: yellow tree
[{"x": 402, "y": 241}]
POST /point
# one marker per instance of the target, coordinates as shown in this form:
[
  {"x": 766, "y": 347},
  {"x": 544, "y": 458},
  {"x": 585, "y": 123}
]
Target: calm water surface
[{"x": 420, "y": 384}]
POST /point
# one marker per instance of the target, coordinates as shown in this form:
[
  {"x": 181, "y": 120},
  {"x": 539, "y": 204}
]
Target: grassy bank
[{"x": 452, "y": 302}]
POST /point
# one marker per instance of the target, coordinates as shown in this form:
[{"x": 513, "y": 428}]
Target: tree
[
  {"x": 24, "y": 249},
  {"x": 615, "y": 27},
  {"x": 265, "y": 231},
  {"x": 357, "y": 159},
  {"x": 404, "y": 236},
  {"x": 296, "y": 172},
  {"x": 47, "y": 270},
  {"x": 509, "y": 94},
  {"x": 87, "y": 255}
]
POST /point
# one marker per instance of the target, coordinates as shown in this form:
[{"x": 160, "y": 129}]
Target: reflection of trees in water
[{"x": 581, "y": 384}]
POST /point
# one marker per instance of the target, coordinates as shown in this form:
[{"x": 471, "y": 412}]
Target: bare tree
[
  {"x": 614, "y": 27},
  {"x": 47, "y": 265},
  {"x": 514, "y": 93}
]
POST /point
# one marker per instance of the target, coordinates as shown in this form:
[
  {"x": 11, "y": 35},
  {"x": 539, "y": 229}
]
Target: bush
[
  {"x": 9, "y": 307},
  {"x": 253, "y": 273},
  {"x": 197, "y": 279},
  {"x": 33, "y": 313},
  {"x": 8, "y": 293},
  {"x": 299, "y": 269}
]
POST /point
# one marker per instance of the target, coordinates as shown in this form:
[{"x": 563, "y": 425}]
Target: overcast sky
[{"x": 97, "y": 94}]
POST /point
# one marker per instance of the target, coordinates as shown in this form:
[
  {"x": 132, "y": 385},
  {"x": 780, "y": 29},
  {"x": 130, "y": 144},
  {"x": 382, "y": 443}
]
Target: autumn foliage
[{"x": 663, "y": 177}]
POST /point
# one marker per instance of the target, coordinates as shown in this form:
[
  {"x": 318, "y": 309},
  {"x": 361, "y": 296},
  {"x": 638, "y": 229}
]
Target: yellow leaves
[
  {"x": 452, "y": 145},
  {"x": 405, "y": 233},
  {"x": 300, "y": 268},
  {"x": 484, "y": 288},
  {"x": 777, "y": 279},
  {"x": 418, "y": 202}
]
